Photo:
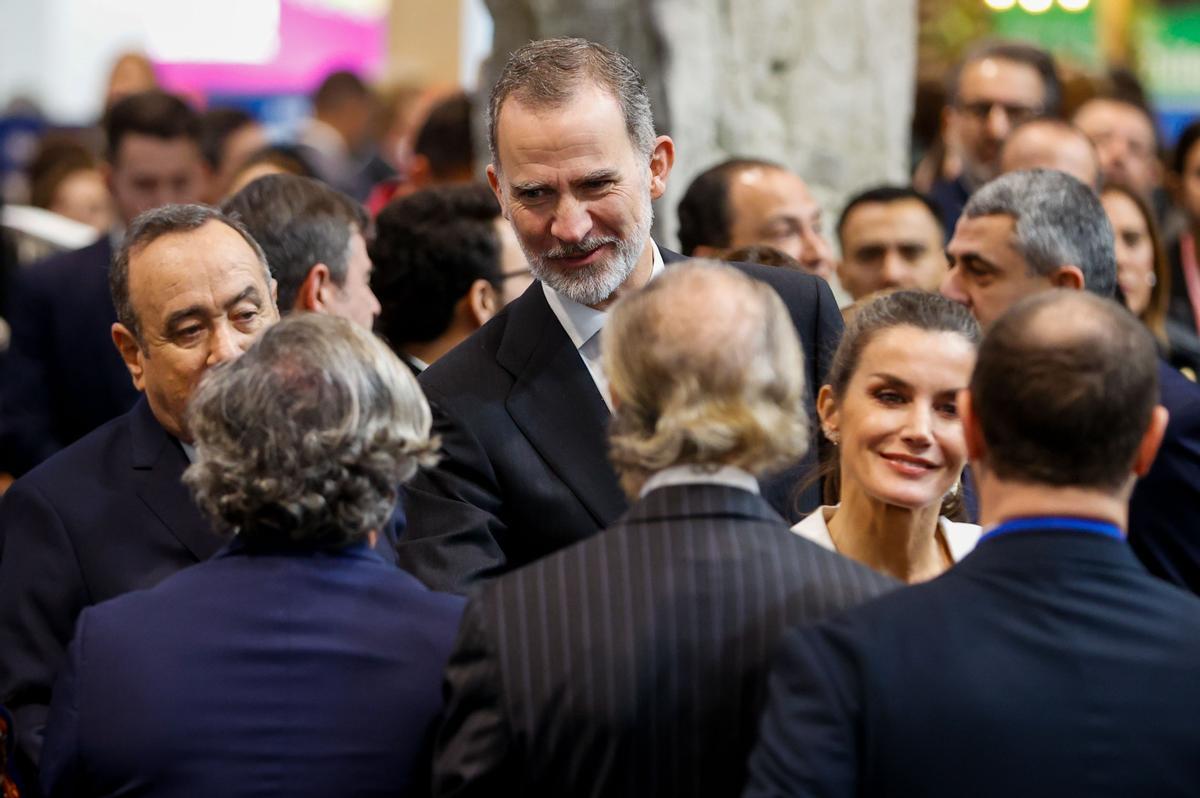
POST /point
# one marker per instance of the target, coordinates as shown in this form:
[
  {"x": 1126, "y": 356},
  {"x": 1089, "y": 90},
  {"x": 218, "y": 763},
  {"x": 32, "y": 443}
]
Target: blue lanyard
[{"x": 1055, "y": 524}]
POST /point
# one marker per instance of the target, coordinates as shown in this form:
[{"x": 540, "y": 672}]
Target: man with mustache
[{"x": 522, "y": 405}]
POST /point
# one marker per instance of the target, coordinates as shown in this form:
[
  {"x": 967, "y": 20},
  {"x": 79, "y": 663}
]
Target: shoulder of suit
[{"x": 95, "y": 455}]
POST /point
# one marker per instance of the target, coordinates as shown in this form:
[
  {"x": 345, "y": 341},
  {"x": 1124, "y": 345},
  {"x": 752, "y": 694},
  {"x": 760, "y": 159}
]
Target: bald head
[
  {"x": 1063, "y": 391},
  {"x": 705, "y": 368},
  {"x": 1051, "y": 144}
]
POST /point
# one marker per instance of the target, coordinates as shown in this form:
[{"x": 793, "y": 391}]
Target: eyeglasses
[{"x": 1016, "y": 114}]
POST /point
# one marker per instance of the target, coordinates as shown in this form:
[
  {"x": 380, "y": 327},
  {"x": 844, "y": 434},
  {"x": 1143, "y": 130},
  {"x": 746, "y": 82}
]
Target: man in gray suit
[{"x": 632, "y": 663}]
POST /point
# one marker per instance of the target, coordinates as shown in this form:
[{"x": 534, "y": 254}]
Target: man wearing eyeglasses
[{"x": 997, "y": 87}]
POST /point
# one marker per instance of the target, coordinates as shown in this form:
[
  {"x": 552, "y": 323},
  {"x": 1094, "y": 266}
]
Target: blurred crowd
[{"x": 269, "y": 410}]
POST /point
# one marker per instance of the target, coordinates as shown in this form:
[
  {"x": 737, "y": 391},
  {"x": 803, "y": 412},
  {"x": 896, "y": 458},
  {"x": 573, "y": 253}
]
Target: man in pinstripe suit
[{"x": 633, "y": 663}]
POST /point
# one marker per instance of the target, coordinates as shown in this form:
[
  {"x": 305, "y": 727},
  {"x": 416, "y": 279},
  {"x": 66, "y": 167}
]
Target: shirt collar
[
  {"x": 581, "y": 322},
  {"x": 729, "y": 476}
]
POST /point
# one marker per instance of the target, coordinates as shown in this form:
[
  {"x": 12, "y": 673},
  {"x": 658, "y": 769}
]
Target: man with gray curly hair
[
  {"x": 653, "y": 685},
  {"x": 314, "y": 662}
]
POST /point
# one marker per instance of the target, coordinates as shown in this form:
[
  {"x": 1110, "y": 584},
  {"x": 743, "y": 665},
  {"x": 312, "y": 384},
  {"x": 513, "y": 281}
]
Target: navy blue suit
[
  {"x": 255, "y": 673},
  {"x": 1164, "y": 513},
  {"x": 63, "y": 377},
  {"x": 1043, "y": 664},
  {"x": 523, "y": 427}
]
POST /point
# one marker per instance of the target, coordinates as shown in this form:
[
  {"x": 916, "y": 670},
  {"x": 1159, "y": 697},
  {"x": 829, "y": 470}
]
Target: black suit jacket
[
  {"x": 1164, "y": 513},
  {"x": 104, "y": 516},
  {"x": 63, "y": 376},
  {"x": 634, "y": 662},
  {"x": 523, "y": 430},
  {"x": 1043, "y": 664}
]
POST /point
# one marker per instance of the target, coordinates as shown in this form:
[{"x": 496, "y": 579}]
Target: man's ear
[
  {"x": 493, "y": 176},
  {"x": 419, "y": 173},
  {"x": 311, "y": 295},
  {"x": 482, "y": 302},
  {"x": 972, "y": 432},
  {"x": 1151, "y": 440},
  {"x": 131, "y": 352},
  {"x": 1070, "y": 277},
  {"x": 661, "y": 161}
]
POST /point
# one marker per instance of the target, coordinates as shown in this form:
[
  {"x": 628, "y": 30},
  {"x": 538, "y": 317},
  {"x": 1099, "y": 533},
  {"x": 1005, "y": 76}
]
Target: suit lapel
[
  {"x": 555, "y": 404},
  {"x": 158, "y": 466}
]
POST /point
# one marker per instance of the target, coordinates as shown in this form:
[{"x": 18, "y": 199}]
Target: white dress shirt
[
  {"x": 730, "y": 476},
  {"x": 960, "y": 538},
  {"x": 583, "y": 325}
]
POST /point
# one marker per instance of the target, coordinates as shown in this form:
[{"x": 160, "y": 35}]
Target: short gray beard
[{"x": 593, "y": 284}]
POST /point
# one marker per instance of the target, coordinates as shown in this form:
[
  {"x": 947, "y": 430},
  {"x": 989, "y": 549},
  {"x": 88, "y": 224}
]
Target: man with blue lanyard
[{"x": 1048, "y": 662}]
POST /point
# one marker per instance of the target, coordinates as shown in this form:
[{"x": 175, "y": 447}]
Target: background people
[{"x": 890, "y": 237}]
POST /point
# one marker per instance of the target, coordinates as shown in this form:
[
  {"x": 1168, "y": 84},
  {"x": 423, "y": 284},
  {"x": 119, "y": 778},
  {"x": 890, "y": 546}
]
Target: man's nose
[
  {"x": 892, "y": 272},
  {"x": 951, "y": 287},
  {"x": 998, "y": 123},
  {"x": 225, "y": 344},
  {"x": 572, "y": 222}
]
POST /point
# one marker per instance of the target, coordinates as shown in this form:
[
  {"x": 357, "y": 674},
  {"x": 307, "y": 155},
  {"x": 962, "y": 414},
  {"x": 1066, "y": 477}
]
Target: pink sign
[{"x": 313, "y": 43}]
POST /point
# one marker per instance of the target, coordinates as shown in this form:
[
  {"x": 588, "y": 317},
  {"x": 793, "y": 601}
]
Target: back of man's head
[
  {"x": 429, "y": 249},
  {"x": 1058, "y": 222},
  {"x": 705, "y": 215},
  {"x": 1063, "y": 392},
  {"x": 299, "y": 222},
  {"x": 445, "y": 141},
  {"x": 153, "y": 113},
  {"x": 337, "y": 90},
  {"x": 705, "y": 369}
]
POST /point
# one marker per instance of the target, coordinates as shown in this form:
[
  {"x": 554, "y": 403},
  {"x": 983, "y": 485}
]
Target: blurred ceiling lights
[{"x": 1037, "y": 6}]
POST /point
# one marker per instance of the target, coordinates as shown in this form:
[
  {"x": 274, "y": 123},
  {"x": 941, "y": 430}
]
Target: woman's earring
[{"x": 831, "y": 435}]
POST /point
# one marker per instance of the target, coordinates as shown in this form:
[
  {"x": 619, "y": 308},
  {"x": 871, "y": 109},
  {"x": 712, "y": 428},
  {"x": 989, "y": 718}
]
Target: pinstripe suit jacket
[{"x": 634, "y": 662}]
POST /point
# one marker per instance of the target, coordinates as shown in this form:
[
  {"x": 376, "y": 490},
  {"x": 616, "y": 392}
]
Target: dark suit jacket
[
  {"x": 277, "y": 673},
  {"x": 102, "y": 517},
  {"x": 1164, "y": 513},
  {"x": 523, "y": 429},
  {"x": 1043, "y": 664},
  {"x": 63, "y": 376},
  {"x": 634, "y": 662}
]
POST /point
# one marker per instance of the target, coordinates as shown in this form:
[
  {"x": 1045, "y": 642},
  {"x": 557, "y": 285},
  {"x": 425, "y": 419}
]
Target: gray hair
[
  {"x": 152, "y": 225},
  {"x": 306, "y": 438},
  {"x": 549, "y": 73},
  {"x": 708, "y": 371},
  {"x": 1059, "y": 222},
  {"x": 299, "y": 222}
]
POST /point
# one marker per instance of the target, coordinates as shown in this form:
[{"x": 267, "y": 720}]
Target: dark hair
[
  {"x": 149, "y": 113},
  {"x": 445, "y": 138},
  {"x": 429, "y": 248},
  {"x": 704, "y": 213},
  {"x": 1155, "y": 314},
  {"x": 1137, "y": 101},
  {"x": 337, "y": 88},
  {"x": 1065, "y": 400},
  {"x": 1058, "y": 221},
  {"x": 216, "y": 126},
  {"x": 1183, "y": 147},
  {"x": 920, "y": 309},
  {"x": 548, "y": 73},
  {"x": 886, "y": 194},
  {"x": 152, "y": 225},
  {"x": 1020, "y": 53},
  {"x": 299, "y": 222},
  {"x": 57, "y": 159}
]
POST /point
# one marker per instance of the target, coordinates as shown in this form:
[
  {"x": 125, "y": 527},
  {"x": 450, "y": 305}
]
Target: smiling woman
[{"x": 889, "y": 410}]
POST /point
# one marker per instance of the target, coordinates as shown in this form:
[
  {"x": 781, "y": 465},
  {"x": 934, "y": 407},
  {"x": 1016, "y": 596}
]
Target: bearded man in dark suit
[{"x": 522, "y": 406}]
